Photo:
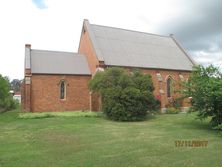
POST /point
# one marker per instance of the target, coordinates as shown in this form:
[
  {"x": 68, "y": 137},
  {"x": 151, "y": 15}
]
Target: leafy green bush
[
  {"x": 172, "y": 110},
  {"x": 191, "y": 109},
  {"x": 218, "y": 127},
  {"x": 205, "y": 88},
  {"x": 125, "y": 97},
  {"x": 6, "y": 100},
  {"x": 59, "y": 114},
  {"x": 175, "y": 102},
  {"x": 155, "y": 105}
]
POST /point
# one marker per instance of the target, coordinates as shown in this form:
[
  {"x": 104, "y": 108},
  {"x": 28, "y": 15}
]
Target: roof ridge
[
  {"x": 165, "y": 36},
  {"x": 55, "y": 51}
]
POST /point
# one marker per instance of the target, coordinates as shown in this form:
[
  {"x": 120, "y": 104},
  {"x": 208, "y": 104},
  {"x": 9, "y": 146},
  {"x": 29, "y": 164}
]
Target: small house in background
[
  {"x": 58, "y": 81},
  {"x": 17, "y": 96}
]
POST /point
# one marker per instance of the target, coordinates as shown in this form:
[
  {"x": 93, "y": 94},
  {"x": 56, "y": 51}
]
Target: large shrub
[
  {"x": 205, "y": 88},
  {"x": 6, "y": 100},
  {"x": 125, "y": 97}
]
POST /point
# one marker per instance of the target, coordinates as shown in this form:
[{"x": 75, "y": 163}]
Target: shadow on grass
[
  {"x": 150, "y": 117},
  {"x": 194, "y": 123},
  {"x": 147, "y": 118},
  {"x": 198, "y": 124}
]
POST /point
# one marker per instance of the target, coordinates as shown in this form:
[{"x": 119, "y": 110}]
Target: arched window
[
  {"x": 62, "y": 90},
  {"x": 169, "y": 87}
]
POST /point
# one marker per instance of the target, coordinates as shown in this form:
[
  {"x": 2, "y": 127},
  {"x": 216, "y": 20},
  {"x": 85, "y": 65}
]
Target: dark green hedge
[{"x": 125, "y": 96}]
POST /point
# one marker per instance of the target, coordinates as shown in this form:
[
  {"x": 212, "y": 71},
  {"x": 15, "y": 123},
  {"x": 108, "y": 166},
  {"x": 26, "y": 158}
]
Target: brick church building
[{"x": 58, "y": 81}]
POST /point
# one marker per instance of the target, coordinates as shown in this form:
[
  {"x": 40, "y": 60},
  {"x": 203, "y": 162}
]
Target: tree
[
  {"x": 205, "y": 88},
  {"x": 6, "y": 100},
  {"x": 125, "y": 97},
  {"x": 16, "y": 85}
]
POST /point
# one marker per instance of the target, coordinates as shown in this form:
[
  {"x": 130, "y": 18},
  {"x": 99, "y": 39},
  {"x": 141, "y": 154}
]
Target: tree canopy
[
  {"x": 15, "y": 85},
  {"x": 205, "y": 88},
  {"x": 6, "y": 101}
]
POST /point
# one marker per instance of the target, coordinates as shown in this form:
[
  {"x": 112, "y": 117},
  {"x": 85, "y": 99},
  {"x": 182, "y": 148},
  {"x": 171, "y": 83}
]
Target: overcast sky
[{"x": 56, "y": 25}]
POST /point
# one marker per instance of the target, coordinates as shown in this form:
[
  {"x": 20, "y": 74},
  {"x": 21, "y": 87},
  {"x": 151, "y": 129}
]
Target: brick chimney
[
  {"x": 26, "y": 91},
  {"x": 28, "y": 46}
]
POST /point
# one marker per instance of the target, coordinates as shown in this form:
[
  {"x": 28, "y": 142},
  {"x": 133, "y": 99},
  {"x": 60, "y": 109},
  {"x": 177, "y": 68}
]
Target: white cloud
[{"x": 207, "y": 58}]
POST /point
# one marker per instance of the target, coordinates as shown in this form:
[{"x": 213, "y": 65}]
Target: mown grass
[{"x": 95, "y": 141}]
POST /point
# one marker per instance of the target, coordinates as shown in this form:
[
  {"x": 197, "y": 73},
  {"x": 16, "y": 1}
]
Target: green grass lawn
[{"x": 94, "y": 141}]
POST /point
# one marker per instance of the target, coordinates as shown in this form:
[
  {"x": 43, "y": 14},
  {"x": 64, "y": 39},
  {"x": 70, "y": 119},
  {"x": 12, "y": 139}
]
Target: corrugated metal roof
[
  {"x": 120, "y": 47},
  {"x": 54, "y": 62}
]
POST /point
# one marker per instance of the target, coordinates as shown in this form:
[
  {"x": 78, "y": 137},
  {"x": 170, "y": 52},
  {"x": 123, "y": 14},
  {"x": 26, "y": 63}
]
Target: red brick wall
[
  {"x": 26, "y": 92},
  {"x": 96, "y": 102},
  {"x": 162, "y": 85},
  {"x": 86, "y": 48},
  {"x": 45, "y": 93},
  {"x": 23, "y": 96},
  {"x": 27, "y": 95}
]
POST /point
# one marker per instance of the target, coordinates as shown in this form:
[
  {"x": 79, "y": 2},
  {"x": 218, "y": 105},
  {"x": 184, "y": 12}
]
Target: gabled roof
[
  {"x": 54, "y": 62},
  {"x": 120, "y": 47}
]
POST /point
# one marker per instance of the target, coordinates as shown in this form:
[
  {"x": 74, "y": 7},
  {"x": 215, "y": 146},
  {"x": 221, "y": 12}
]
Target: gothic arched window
[
  {"x": 62, "y": 90},
  {"x": 169, "y": 87}
]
